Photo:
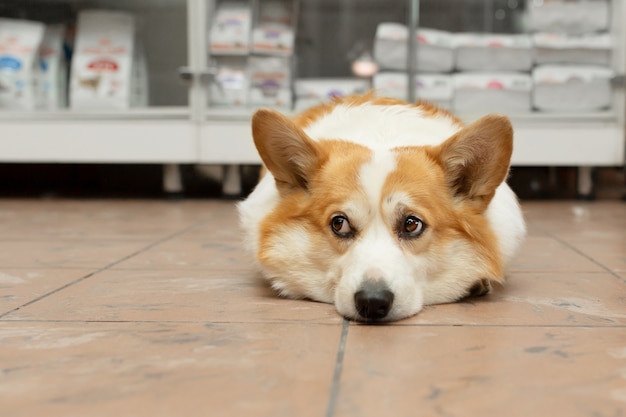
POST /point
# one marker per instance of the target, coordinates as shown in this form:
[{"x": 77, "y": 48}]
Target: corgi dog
[{"x": 380, "y": 206}]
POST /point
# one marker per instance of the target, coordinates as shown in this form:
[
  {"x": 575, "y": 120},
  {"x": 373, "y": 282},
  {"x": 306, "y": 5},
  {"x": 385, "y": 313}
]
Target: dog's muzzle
[{"x": 373, "y": 300}]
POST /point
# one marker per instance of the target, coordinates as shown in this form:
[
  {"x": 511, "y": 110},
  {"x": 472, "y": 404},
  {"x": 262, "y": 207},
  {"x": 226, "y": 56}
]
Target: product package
[
  {"x": 230, "y": 29},
  {"x": 491, "y": 52},
  {"x": 273, "y": 33},
  {"x": 434, "y": 88},
  {"x": 568, "y": 16},
  {"x": 569, "y": 88},
  {"x": 482, "y": 92},
  {"x": 231, "y": 83},
  {"x": 102, "y": 65},
  {"x": 435, "y": 48},
  {"x": 52, "y": 70},
  {"x": 19, "y": 45},
  {"x": 270, "y": 79},
  {"x": 558, "y": 48},
  {"x": 312, "y": 91}
]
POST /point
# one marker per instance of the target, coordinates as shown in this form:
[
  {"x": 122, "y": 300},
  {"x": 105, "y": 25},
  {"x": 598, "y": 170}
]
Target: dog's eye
[
  {"x": 340, "y": 226},
  {"x": 413, "y": 226}
]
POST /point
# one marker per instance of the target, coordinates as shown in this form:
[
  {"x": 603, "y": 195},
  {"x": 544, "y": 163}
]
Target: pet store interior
[{"x": 126, "y": 287}]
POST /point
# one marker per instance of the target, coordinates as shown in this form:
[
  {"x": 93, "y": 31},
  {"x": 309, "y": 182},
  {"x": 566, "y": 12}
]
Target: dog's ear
[
  {"x": 476, "y": 159},
  {"x": 287, "y": 152}
]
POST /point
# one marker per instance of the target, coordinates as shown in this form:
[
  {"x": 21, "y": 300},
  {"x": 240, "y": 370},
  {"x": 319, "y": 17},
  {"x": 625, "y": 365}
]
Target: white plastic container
[
  {"x": 270, "y": 82},
  {"x": 231, "y": 29},
  {"x": 558, "y": 48},
  {"x": 19, "y": 44},
  {"x": 435, "y": 48},
  {"x": 491, "y": 52},
  {"x": 492, "y": 92},
  {"x": 313, "y": 91},
  {"x": 434, "y": 88},
  {"x": 566, "y": 88},
  {"x": 231, "y": 83},
  {"x": 102, "y": 65},
  {"x": 568, "y": 16}
]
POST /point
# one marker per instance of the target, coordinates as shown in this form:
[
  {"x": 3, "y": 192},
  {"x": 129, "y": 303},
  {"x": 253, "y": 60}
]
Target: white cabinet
[{"x": 179, "y": 126}]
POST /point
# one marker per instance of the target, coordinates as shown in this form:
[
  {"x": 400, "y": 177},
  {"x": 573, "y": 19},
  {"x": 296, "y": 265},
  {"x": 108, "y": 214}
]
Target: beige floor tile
[
  {"x": 142, "y": 369},
  {"x": 483, "y": 371},
  {"x": 101, "y": 219},
  {"x": 66, "y": 253},
  {"x": 191, "y": 253},
  {"x": 544, "y": 253},
  {"x": 538, "y": 299},
  {"x": 169, "y": 295},
  {"x": 19, "y": 286}
]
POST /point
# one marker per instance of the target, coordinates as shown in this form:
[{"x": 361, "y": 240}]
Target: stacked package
[
  {"x": 108, "y": 69},
  {"x": 52, "y": 70},
  {"x": 314, "y": 91},
  {"x": 573, "y": 53},
  {"x": 252, "y": 55},
  {"x": 434, "y": 88},
  {"x": 19, "y": 45}
]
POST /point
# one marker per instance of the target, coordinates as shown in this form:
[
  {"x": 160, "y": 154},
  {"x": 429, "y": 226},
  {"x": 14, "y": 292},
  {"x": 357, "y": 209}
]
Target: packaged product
[
  {"x": 19, "y": 43},
  {"x": 435, "y": 48},
  {"x": 483, "y": 92},
  {"x": 568, "y": 16},
  {"x": 52, "y": 70},
  {"x": 231, "y": 83},
  {"x": 493, "y": 52},
  {"x": 230, "y": 29},
  {"x": 571, "y": 88},
  {"x": 270, "y": 79},
  {"x": 559, "y": 48},
  {"x": 434, "y": 88},
  {"x": 312, "y": 91},
  {"x": 102, "y": 64}
]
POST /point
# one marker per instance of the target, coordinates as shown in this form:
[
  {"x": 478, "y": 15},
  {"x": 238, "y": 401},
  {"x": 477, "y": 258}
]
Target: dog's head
[{"x": 381, "y": 232}]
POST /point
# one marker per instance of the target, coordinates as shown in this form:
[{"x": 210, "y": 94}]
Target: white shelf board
[
  {"x": 145, "y": 113},
  {"x": 98, "y": 141}
]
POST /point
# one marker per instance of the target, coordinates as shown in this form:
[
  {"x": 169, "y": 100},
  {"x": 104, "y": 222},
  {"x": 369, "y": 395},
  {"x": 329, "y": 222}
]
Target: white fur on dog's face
[{"x": 375, "y": 190}]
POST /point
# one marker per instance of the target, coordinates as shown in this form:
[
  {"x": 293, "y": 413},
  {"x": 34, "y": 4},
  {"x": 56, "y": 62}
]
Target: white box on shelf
[
  {"x": 559, "y": 48},
  {"x": 493, "y": 52},
  {"x": 19, "y": 43},
  {"x": 312, "y": 91},
  {"x": 230, "y": 29},
  {"x": 231, "y": 83},
  {"x": 434, "y": 88},
  {"x": 568, "y": 88},
  {"x": 567, "y": 16},
  {"x": 435, "y": 49},
  {"x": 482, "y": 92},
  {"x": 52, "y": 70},
  {"x": 101, "y": 75},
  {"x": 273, "y": 39},
  {"x": 270, "y": 82}
]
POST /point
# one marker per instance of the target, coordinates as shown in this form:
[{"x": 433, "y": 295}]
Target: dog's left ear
[{"x": 476, "y": 159}]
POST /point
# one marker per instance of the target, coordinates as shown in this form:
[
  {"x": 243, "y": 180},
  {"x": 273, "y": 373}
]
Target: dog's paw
[{"x": 479, "y": 289}]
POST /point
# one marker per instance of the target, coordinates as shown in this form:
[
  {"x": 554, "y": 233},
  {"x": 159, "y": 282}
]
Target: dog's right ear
[{"x": 287, "y": 152}]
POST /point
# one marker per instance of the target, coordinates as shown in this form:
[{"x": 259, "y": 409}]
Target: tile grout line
[
  {"x": 334, "y": 389},
  {"x": 578, "y": 251},
  {"x": 104, "y": 268}
]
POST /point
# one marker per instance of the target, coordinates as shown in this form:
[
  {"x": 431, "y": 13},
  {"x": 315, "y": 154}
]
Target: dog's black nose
[{"x": 373, "y": 301}]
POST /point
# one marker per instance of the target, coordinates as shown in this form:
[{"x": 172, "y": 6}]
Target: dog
[{"x": 380, "y": 207}]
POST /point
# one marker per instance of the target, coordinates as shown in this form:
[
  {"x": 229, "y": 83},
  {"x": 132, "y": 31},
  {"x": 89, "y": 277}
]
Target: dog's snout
[{"x": 373, "y": 301}]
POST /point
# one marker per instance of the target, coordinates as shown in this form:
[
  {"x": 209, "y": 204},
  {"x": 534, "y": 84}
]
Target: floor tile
[
  {"x": 100, "y": 219},
  {"x": 169, "y": 295},
  {"x": 483, "y": 371},
  {"x": 538, "y": 299},
  {"x": 19, "y": 286},
  {"x": 544, "y": 253},
  {"x": 141, "y": 369},
  {"x": 66, "y": 253}
]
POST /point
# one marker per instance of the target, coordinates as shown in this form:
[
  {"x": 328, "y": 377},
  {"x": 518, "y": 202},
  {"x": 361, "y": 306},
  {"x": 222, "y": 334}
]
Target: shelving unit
[{"x": 190, "y": 132}]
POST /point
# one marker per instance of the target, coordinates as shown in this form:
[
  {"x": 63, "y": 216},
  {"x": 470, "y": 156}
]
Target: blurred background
[{"x": 152, "y": 98}]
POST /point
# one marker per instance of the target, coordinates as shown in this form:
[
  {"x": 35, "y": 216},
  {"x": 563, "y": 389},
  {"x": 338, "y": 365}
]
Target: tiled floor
[{"x": 149, "y": 308}]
